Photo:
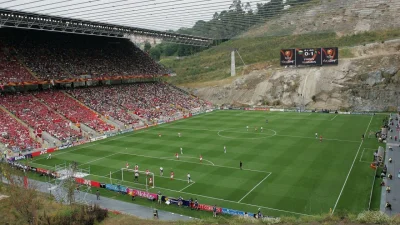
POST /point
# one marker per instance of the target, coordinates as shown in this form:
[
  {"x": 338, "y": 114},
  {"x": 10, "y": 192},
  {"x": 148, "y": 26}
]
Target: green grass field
[{"x": 286, "y": 170}]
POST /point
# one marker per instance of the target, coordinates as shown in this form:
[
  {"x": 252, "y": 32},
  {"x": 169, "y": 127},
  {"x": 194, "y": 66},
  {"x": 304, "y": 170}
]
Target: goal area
[{"x": 128, "y": 176}]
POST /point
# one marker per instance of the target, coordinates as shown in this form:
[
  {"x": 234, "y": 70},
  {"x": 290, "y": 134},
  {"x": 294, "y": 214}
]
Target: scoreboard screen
[
  {"x": 330, "y": 56},
  {"x": 288, "y": 57},
  {"x": 308, "y": 56}
]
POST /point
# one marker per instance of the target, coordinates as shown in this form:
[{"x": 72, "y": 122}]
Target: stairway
[
  {"x": 116, "y": 124},
  {"x": 31, "y": 131},
  {"x": 23, "y": 64}
]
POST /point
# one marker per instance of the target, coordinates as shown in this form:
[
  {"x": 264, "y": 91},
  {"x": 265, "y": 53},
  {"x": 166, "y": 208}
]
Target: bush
[
  {"x": 77, "y": 214},
  {"x": 375, "y": 217}
]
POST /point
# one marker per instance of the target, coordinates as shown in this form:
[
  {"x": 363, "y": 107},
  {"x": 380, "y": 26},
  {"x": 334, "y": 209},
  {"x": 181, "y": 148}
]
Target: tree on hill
[
  {"x": 147, "y": 46},
  {"x": 238, "y": 18}
]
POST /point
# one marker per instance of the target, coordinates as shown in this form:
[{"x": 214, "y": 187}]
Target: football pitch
[{"x": 286, "y": 169}]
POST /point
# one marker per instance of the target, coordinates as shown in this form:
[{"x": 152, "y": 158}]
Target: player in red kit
[
  {"x": 147, "y": 172},
  {"x": 320, "y": 138},
  {"x": 177, "y": 155},
  {"x": 172, "y": 175},
  {"x": 136, "y": 167},
  {"x": 127, "y": 165}
]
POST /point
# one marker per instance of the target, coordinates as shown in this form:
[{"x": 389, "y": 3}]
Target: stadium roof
[
  {"x": 213, "y": 19},
  {"x": 30, "y": 20}
]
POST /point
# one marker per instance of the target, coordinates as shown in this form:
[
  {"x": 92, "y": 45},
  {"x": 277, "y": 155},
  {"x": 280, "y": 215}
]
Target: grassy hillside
[{"x": 214, "y": 63}]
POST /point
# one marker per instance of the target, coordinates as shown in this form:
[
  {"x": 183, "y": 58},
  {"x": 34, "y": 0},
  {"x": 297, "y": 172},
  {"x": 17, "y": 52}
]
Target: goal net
[{"x": 125, "y": 175}]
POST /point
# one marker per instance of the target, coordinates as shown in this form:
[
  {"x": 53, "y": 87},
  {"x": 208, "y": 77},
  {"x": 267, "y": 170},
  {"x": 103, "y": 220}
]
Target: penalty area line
[
  {"x": 169, "y": 159},
  {"x": 187, "y": 186},
  {"x": 220, "y": 199},
  {"x": 254, "y": 188}
]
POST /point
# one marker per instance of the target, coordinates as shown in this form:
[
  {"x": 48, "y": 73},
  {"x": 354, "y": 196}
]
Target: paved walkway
[
  {"x": 142, "y": 212},
  {"x": 394, "y": 169}
]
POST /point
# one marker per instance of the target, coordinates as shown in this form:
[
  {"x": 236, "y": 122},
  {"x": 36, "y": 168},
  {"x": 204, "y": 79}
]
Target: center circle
[{"x": 250, "y": 134}]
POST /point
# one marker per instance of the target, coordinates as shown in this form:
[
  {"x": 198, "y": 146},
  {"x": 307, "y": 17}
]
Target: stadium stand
[
  {"x": 72, "y": 56},
  {"x": 74, "y": 111},
  {"x": 38, "y": 116},
  {"x": 151, "y": 101},
  {"x": 78, "y": 62},
  {"x": 14, "y": 134},
  {"x": 10, "y": 69},
  {"x": 106, "y": 100}
]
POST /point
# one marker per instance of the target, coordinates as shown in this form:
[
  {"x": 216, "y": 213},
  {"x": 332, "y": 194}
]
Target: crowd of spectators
[
  {"x": 72, "y": 56},
  {"x": 57, "y": 56},
  {"x": 106, "y": 101},
  {"x": 39, "y": 117},
  {"x": 14, "y": 134},
  {"x": 10, "y": 69},
  {"x": 47, "y": 110},
  {"x": 151, "y": 101},
  {"x": 73, "y": 110}
]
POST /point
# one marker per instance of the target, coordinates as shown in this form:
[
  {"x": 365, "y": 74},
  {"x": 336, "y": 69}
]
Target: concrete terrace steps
[
  {"x": 31, "y": 131},
  {"x": 56, "y": 112},
  {"x": 27, "y": 68},
  {"x": 101, "y": 117}
]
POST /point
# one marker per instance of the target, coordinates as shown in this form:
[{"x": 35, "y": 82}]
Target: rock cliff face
[
  {"x": 341, "y": 16},
  {"x": 368, "y": 81}
]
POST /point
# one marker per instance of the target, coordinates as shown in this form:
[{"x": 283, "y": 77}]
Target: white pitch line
[
  {"x": 164, "y": 158},
  {"x": 254, "y": 188},
  {"x": 98, "y": 159},
  {"x": 190, "y": 158},
  {"x": 354, "y": 160},
  {"x": 220, "y": 199},
  {"x": 325, "y": 139},
  {"x": 187, "y": 186},
  {"x": 282, "y": 135},
  {"x": 334, "y": 117},
  {"x": 204, "y": 196},
  {"x": 240, "y": 113},
  {"x": 108, "y": 176},
  {"x": 123, "y": 136},
  {"x": 362, "y": 153}
]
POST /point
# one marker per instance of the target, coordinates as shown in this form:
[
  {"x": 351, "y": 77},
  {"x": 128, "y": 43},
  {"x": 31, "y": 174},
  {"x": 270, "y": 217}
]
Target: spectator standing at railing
[
  {"x": 98, "y": 195},
  {"x": 214, "y": 211}
]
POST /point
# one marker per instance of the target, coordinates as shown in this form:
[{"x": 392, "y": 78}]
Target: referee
[{"x": 241, "y": 164}]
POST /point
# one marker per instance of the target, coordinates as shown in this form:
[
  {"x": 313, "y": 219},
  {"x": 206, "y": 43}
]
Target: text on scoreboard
[{"x": 309, "y": 56}]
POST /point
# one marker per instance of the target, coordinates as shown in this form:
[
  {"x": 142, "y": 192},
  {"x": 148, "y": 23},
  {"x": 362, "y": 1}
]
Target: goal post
[{"x": 128, "y": 175}]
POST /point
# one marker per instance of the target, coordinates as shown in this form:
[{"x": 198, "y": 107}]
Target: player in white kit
[
  {"x": 181, "y": 151},
  {"x": 161, "y": 171},
  {"x": 188, "y": 176},
  {"x": 224, "y": 149}
]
